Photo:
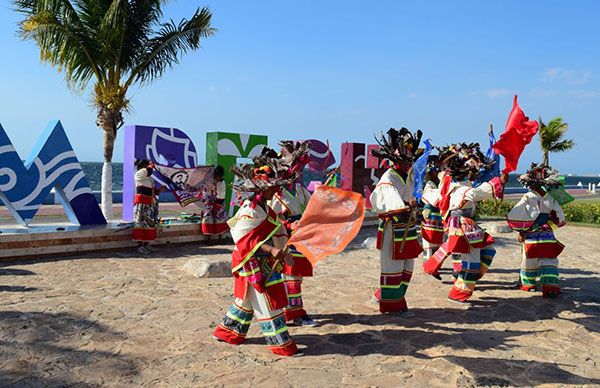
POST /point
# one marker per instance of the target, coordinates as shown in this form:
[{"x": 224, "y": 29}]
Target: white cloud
[
  {"x": 584, "y": 93},
  {"x": 543, "y": 92},
  {"x": 568, "y": 76},
  {"x": 492, "y": 93}
]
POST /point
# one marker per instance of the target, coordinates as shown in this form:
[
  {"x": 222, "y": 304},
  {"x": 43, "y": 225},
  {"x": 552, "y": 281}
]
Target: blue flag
[
  {"x": 420, "y": 168},
  {"x": 487, "y": 175}
]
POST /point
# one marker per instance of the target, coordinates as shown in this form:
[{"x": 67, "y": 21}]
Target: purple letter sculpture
[{"x": 166, "y": 146}]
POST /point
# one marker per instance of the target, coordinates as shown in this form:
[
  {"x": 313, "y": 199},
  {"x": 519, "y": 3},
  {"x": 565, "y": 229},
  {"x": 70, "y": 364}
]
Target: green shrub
[
  {"x": 494, "y": 208},
  {"x": 577, "y": 211}
]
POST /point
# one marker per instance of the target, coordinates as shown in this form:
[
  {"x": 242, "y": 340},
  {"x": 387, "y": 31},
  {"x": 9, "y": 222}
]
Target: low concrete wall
[
  {"x": 51, "y": 240},
  {"x": 55, "y": 240}
]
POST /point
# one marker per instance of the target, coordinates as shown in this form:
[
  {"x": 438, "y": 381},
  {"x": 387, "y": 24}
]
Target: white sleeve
[
  {"x": 221, "y": 191},
  {"x": 386, "y": 198},
  {"x": 246, "y": 219},
  {"x": 141, "y": 173},
  {"x": 559, "y": 213},
  {"x": 431, "y": 195},
  {"x": 524, "y": 210},
  {"x": 140, "y": 176},
  {"x": 277, "y": 205},
  {"x": 486, "y": 190}
]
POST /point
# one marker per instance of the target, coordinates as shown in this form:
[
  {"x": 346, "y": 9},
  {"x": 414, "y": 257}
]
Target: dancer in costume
[
  {"x": 432, "y": 227},
  {"x": 393, "y": 200},
  {"x": 145, "y": 206},
  {"x": 534, "y": 217},
  {"x": 289, "y": 204},
  {"x": 469, "y": 244},
  {"x": 260, "y": 251},
  {"x": 214, "y": 218}
]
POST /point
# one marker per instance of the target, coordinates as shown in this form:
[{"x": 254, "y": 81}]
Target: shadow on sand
[
  {"x": 432, "y": 327},
  {"x": 35, "y": 351}
]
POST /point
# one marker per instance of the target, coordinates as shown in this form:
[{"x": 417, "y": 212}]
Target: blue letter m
[{"x": 52, "y": 164}]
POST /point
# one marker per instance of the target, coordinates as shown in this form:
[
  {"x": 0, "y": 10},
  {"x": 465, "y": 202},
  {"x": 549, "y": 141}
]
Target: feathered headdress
[
  {"x": 540, "y": 175},
  {"x": 463, "y": 161},
  {"x": 399, "y": 146},
  {"x": 272, "y": 169}
]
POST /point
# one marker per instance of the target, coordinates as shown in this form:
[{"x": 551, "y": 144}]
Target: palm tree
[
  {"x": 115, "y": 43},
  {"x": 551, "y": 137}
]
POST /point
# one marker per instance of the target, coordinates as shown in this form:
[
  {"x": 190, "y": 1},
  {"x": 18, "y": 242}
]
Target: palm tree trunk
[
  {"x": 545, "y": 159},
  {"x": 107, "y": 121}
]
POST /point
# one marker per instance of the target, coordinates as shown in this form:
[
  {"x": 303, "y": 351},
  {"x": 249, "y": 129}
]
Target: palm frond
[
  {"x": 141, "y": 16},
  {"x": 562, "y": 146},
  {"x": 111, "y": 41},
  {"x": 551, "y": 137},
  {"x": 165, "y": 49},
  {"x": 64, "y": 45}
]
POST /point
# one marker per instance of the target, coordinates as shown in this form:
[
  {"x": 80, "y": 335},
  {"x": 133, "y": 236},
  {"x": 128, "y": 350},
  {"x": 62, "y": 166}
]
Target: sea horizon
[{"x": 93, "y": 171}]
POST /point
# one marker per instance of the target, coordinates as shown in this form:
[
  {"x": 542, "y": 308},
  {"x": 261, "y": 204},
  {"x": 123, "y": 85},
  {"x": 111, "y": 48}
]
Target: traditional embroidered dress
[
  {"x": 251, "y": 227},
  {"x": 432, "y": 233},
  {"x": 397, "y": 239},
  {"x": 145, "y": 207},
  {"x": 432, "y": 226},
  {"x": 466, "y": 239},
  {"x": 535, "y": 216},
  {"x": 214, "y": 219},
  {"x": 290, "y": 204}
]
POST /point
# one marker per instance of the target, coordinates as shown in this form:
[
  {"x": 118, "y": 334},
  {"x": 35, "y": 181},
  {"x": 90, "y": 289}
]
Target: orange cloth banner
[{"x": 333, "y": 217}]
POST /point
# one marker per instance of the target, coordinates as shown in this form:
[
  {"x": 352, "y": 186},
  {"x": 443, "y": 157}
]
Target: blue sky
[{"x": 343, "y": 70}]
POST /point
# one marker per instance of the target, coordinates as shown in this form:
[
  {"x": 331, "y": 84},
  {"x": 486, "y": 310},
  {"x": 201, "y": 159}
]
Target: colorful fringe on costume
[
  {"x": 535, "y": 216},
  {"x": 214, "y": 220},
  {"x": 433, "y": 264},
  {"x": 404, "y": 247},
  {"x": 145, "y": 211},
  {"x": 432, "y": 227},
  {"x": 254, "y": 293},
  {"x": 540, "y": 252},
  {"x": 235, "y": 325},
  {"x": 393, "y": 289}
]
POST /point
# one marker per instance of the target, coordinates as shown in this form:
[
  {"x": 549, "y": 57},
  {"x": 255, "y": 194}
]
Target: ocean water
[{"x": 93, "y": 171}]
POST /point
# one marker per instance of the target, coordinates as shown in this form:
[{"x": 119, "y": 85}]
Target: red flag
[{"x": 518, "y": 133}]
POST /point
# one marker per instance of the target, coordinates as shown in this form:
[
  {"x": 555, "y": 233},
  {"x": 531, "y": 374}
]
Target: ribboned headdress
[
  {"x": 271, "y": 168},
  {"x": 463, "y": 161},
  {"x": 399, "y": 145},
  {"x": 540, "y": 175}
]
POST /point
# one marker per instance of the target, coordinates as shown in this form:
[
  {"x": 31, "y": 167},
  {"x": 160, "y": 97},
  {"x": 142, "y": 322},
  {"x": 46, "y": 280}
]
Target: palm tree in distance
[
  {"x": 551, "y": 137},
  {"x": 115, "y": 43}
]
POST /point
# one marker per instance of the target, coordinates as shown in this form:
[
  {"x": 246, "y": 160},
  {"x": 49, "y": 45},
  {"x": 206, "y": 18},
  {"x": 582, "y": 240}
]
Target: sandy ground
[{"x": 121, "y": 320}]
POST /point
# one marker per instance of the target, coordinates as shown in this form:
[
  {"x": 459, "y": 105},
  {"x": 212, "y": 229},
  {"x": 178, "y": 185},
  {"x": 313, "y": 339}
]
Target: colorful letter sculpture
[
  {"x": 320, "y": 155},
  {"x": 166, "y": 146},
  {"x": 51, "y": 164},
  {"x": 359, "y": 170},
  {"x": 224, "y": 149}
]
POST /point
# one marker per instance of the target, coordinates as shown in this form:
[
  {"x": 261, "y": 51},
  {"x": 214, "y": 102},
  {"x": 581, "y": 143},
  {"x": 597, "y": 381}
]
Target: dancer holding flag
[
  {"x": 145, "y": 208},
  {"x": 289, "y": 204},
  {"x": 260, "y": 247},
  {"x": 432, "y": 218},
  {"x": 214, "y": 217},
  {"x": 396, "y": 206},
  {"x": 467, "y": 241},
  {"x": 534, "y": 217}
]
